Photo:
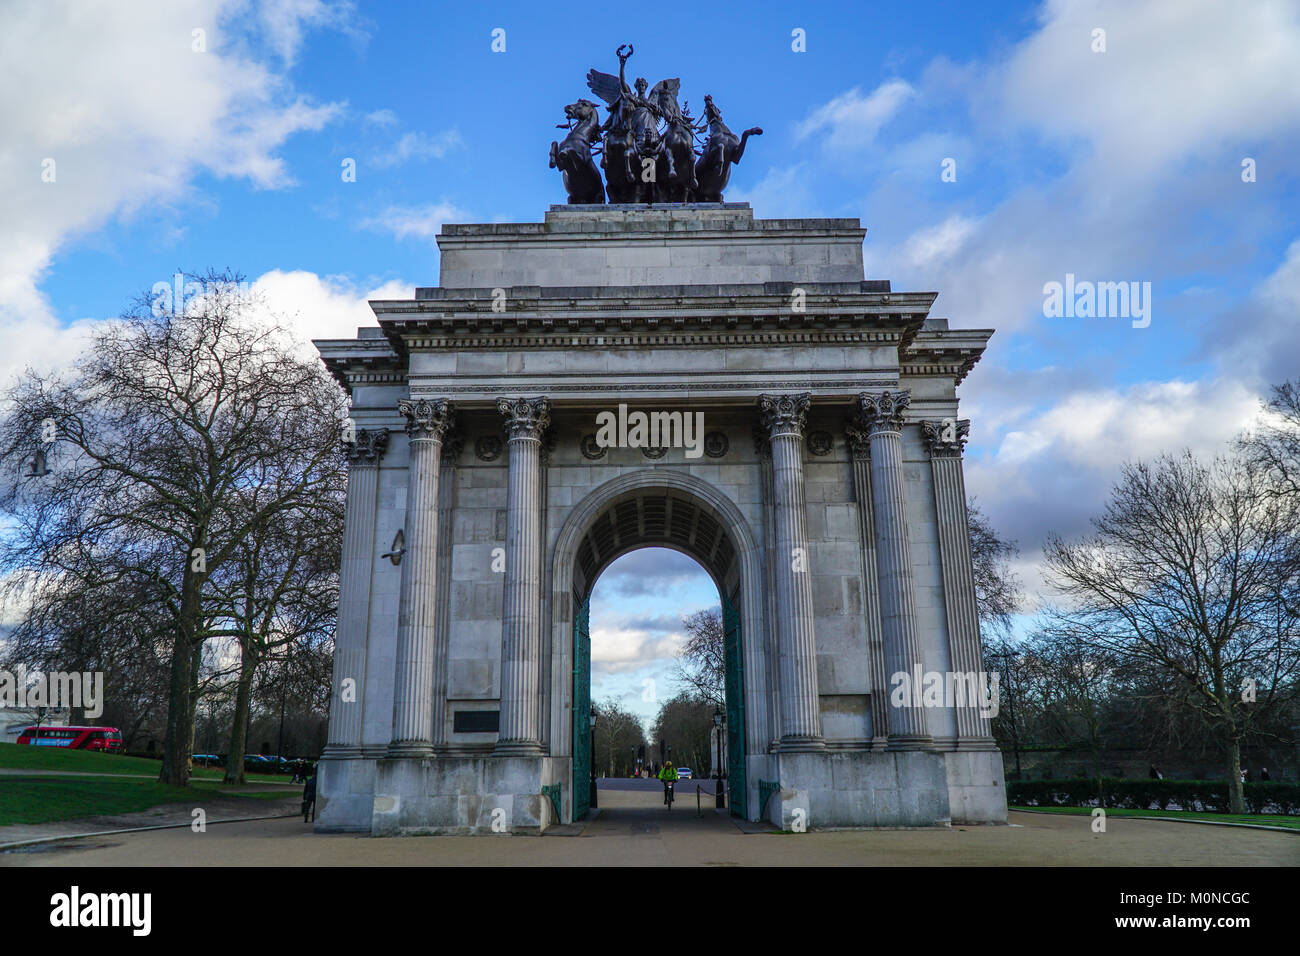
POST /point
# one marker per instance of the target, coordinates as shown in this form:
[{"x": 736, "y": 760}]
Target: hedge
[{"x": 1202, "y": 795}]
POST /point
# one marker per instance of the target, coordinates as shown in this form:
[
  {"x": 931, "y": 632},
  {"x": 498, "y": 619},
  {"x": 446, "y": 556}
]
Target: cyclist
[{"x": 668, "y": 774}]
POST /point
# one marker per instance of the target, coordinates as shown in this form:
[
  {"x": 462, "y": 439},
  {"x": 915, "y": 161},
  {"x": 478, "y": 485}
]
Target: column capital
[
  {"x": 427, "y": 418},
  {"x": 366, "y": 446},
  {"x": 525, "y": 417},
  {"x": 946, "y": 438},
  {"x": 784, "y": 414},
  {"x": 882, "y": 412},
  {"x": 858, "y": 439}
]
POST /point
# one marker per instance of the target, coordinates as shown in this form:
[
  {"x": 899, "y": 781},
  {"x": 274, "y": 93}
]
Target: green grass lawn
[
  {"x": 47, "y": 799},
  {"x": 14, "y": 757},
  {"x": 1267, "y": 819}
]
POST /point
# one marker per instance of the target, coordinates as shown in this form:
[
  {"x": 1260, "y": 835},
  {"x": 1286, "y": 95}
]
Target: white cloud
[
  {"x": 618, "y": 649},
  {"x": 1052, "y": 470},
  {"x": 285, "y": 21},
  {"x": 422, "y": 222},
  {"x": 121, "y": 139},
  {"x": 1115, "y": 161},
  {"x": 1260, "y": 338},
  {"x": 380, "y": 118},
  {"x": 1178, "y": 78},
  {"x": 418, "y": 146},
  {"x": 933, "y": 246},
  {"x": 850, "y": 121},
  {"x": 323, "y": 307}
]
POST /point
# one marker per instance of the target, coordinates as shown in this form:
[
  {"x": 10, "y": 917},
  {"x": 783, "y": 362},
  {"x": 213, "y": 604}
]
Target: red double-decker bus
[{"x": 107, "y": 739}]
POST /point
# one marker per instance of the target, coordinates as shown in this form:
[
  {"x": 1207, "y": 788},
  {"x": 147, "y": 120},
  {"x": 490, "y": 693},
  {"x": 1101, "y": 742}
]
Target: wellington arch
[{"x": 823, "y": 493}]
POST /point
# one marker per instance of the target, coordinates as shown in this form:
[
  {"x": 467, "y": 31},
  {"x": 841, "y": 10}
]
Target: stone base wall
[
  {"x": 976, "y": 790},
  {"x": 465, "y": 794},
  {"x": 462, "y": 795},
  {"x": 345, "y": 795},
  {"x": 887, "y": 789}
]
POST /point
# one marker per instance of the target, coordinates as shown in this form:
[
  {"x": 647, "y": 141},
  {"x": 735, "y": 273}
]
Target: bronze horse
[
  {"x": 573, "y": 156},
  {"x": 722, "y": 150},
  {"x": 676, "y": 165}
]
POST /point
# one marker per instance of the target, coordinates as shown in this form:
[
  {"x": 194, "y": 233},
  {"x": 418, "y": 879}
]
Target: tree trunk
[
  {"x": 180, "y": 710},
  {"x": 1236, "y": 803},
  {"x": 195, "y": 667},
  {"x": 239, "y": 727}
]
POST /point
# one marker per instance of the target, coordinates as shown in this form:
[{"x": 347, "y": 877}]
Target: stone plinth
[
  {"x": 464, "y": 795},
  {"x": 658, "y": 244}
]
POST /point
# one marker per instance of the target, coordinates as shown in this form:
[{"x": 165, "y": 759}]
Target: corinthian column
[
  {"x": 521, "y": 636},
  {"x": 783, "y": 416},
  {"x": 859, "y": 443},
  {"x": 946, "y": 439},
  {"x": 363, "y": 453},
  {"x": 426, "y": 424},
  {"x": 881, "y": 416}
]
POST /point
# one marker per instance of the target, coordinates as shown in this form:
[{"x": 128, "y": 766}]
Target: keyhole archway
[{"x": 659, "y": 508}]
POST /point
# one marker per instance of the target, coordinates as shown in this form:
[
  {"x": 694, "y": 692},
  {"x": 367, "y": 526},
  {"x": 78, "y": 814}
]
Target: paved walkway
[
  {"x": 218, "y": 805},
  {"x": 633, "y": 829}
]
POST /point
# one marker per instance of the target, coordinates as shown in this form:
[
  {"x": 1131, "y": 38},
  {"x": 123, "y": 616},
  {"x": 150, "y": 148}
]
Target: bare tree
[
  {"x": 1078, "y": 680},
  {"x": 160, "y": 428},
  {"x": 619, "y": 735},
  {"x": 997, "y": 589},
  {"x": 280, "y": 587},
  {"x": 1191, "y": 570},
  {"x": 1273, "y": 448},
  {"x": 684, "y": 724},
  {"x": 701, "y": 665}
]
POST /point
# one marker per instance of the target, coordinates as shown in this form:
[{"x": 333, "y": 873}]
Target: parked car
[{"x": 684, "y": 773}]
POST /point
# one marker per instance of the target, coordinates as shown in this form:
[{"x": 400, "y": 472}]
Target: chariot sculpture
[{"x": 651, "y": 149}]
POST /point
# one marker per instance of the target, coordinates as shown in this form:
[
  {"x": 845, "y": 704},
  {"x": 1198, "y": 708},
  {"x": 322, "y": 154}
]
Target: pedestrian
[
  {"x": 1263, "y": 773},
  {"x": 309, "y": 797}
]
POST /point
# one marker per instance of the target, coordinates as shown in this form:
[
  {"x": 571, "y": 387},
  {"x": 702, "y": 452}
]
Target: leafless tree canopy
[
  {"x": 193, "y": 457},
  {"x": 701, "y": 666},
  {"x": 1191, "y": 571},
  {"x": 997, "y": 590}
]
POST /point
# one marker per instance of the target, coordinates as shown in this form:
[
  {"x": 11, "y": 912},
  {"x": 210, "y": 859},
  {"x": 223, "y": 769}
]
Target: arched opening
[{"x": 633, "y": 519}]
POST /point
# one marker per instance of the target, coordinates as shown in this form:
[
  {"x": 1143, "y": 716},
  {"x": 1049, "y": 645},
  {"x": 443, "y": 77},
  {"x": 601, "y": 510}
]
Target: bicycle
[{"x": 669, "y": 785}]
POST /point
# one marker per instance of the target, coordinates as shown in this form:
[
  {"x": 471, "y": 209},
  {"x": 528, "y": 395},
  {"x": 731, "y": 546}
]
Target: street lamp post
[{"x": 592, "y": 801}]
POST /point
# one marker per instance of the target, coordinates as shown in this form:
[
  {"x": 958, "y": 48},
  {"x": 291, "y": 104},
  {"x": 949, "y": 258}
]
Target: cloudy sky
[{"x": 142, "y": 137}]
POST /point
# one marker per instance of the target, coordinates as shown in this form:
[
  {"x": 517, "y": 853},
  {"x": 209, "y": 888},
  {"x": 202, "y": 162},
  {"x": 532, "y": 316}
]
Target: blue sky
[{"x": 1115, "y": 165}]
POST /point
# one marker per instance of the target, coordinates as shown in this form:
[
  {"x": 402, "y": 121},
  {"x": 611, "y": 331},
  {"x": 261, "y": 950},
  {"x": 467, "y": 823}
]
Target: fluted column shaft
[
  {"x": 859, "y": 443},
  {"x": 882, "y": 417},
  {"x": 451, "y": 447},
  {"x": 364, "y": 450},
  {"x": 526, "y": 420},
  {"x": 784, "y": 416},
  {"x": 946, "y": 440},
  {"x": 427, "y": 423}
]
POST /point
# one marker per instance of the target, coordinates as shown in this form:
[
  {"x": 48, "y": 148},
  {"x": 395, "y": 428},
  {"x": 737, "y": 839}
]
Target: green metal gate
[
  {"x": 582, "y": 711},
  {"x": 735, "y": 707}
]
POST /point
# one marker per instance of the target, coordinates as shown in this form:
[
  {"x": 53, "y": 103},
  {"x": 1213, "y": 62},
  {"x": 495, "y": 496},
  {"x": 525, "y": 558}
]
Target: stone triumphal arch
[{"x": 824, "y": 496}]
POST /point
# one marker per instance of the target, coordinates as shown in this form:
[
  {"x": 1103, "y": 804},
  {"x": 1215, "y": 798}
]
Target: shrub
[{"x": 1203, "y": 795}]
